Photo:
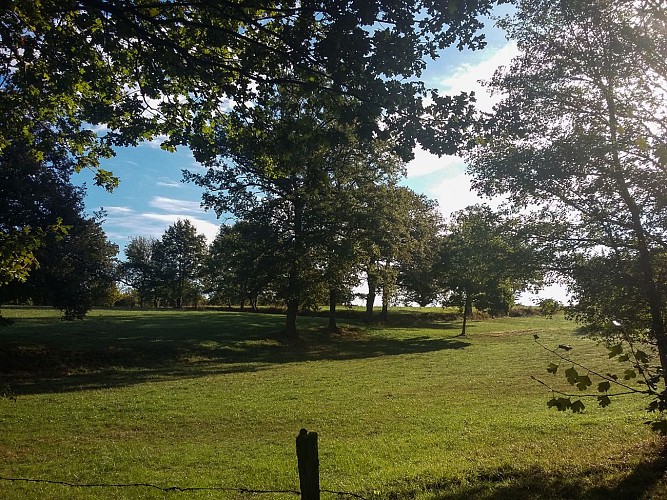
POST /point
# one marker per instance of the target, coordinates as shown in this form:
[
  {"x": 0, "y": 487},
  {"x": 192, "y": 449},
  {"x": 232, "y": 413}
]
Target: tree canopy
[{"x": 142, "y": 68}]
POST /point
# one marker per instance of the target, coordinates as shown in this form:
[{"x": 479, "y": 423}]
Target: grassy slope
[{"x": 216, "y": 399}]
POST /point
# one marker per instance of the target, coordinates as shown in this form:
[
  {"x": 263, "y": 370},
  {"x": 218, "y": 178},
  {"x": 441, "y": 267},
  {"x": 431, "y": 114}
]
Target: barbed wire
[
  {"x": 147, "y": 485},
  {"x": 171, "y": 488}
]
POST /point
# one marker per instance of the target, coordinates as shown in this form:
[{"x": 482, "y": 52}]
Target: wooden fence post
[{"x": 309, "y": 465}]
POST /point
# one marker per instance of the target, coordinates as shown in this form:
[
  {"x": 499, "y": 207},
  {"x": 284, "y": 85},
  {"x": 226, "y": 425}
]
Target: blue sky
[{"x": 151, "y": 195}]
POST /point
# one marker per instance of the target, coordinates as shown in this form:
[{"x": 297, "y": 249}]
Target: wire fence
[
  {"x": 170, "y": 489},
  {"x": 308, "y": 465}
]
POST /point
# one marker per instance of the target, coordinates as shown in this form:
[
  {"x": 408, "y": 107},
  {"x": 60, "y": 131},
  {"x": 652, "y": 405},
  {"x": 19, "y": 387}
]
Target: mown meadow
[{"x": 215, "y": 399}]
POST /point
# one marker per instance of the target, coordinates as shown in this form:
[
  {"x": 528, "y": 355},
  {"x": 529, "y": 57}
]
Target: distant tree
[
  {"x": 77, "y": 271},
  {"x": 394, "y": 225},
  {"x": 179, "y": 256},
  {"x": 139, "y": 270},
  {"x": 418, "y": 279},
  {"x": 74, "y": 260},
  {"x": 241, "y": 263},
  {"x": 485, "y": 260}
]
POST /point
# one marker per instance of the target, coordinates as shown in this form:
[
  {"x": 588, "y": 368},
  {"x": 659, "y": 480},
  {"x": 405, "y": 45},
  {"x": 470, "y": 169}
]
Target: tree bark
[
  {"x": 290, "y": 323},
  {"x": 370, "y": 298},
  {"x": 467, "y": 309}
]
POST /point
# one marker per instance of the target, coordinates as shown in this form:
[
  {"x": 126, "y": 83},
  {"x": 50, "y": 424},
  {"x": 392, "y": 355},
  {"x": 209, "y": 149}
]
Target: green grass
[{"x": 405, "y": 410}]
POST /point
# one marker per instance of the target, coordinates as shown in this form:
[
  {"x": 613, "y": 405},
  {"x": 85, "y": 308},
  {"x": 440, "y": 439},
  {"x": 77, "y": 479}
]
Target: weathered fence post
[{"x": 309, "y": 465}]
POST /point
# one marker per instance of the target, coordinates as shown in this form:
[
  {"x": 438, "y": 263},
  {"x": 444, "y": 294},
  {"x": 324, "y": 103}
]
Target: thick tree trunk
[
  {"x": 332, "y": 328},
  {"x": 384, "y": 314},
  {"x": 290, "y": 323}
]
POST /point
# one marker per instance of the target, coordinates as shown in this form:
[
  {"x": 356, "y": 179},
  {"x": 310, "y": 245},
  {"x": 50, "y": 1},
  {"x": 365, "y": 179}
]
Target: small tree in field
[{"x": 485, "y": 260}]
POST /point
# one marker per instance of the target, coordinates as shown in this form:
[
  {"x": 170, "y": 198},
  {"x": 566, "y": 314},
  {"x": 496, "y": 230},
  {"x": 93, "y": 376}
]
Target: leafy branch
[{"x": 583, "y": 382}]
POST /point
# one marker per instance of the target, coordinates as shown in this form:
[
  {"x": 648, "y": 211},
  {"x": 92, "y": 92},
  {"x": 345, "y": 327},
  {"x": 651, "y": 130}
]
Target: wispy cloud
[
  {"x": 465, "y": 78},
  {"x": 118, "y": 210},
  {"x": 169, "y": 183},
  {"x": 173, "y": 205}
]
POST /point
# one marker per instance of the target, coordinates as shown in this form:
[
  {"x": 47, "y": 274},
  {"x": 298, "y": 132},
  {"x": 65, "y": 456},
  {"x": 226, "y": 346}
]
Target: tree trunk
[
  {"x": 290, "y": 323},
  {"x": 467, "y": 309},
  {"x": 332, "y": 328},
  {"x": 653, "y": 294},
  {"x": 370, "y": 298},
  {"x": 385, "y": 301},
  {"x": 294, "y": 279}
]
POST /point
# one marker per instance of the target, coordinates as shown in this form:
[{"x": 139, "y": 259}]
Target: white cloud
[
  {"x": 169, "y": 183},
  {"x": 425, "y": 163},
  {"x": 153, "y": 224},
  {"x": 466, "y": 78},
  {"x": 100, "y": 128},
  {"x": 156, "y": 142},
  {"x": 206, "y": 228},
  {"x": 173, "y": 205},
  {"x": 455, "y": 193},
  {"x": 117, "y": 210}
]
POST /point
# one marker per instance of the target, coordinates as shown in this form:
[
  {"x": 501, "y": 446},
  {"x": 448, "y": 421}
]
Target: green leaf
[
  {"x": 615, "y": 350},
  {"x": 552, "y": 368},
  {"x": 623, "y": 358},
  {"x": 629, "y": 373},
  {"x": 604, "y": 401},
  {"x": 584, "y": 382},
  {"x": 561, "y": 404},
  {"x": 572, "y": 375},
  {"x": 604, "y": 386},
  {"x": 577, "y": 406},
  {"x": 641, "y": 357}
]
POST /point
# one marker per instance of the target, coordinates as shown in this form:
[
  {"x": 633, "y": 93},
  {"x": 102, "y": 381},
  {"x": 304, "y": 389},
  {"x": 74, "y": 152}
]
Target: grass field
[{"x": 215, "y": 399}]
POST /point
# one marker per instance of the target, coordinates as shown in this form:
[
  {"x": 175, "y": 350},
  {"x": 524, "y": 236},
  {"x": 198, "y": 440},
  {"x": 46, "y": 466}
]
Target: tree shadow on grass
[
  {"x": 614, "y": 482},
  {"x": 41, "y": 356}
]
